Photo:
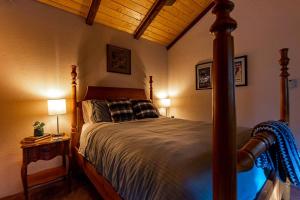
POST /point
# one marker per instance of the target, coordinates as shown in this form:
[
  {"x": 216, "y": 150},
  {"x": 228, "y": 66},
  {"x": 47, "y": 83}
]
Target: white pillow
[{"x": 87, "y": 111}]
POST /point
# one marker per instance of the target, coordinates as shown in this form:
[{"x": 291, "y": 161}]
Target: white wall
[
  {"x": 264, "y": 27},
  {"x": 38, "y": 44}
]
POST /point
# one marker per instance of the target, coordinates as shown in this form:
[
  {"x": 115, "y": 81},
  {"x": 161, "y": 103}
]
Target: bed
[
  {"x": 218, "y": 181},
  {"x": 128, "y": 155}
]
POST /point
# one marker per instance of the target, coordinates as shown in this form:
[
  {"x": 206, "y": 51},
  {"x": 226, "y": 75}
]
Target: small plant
[{"x": 38, "y": 128}]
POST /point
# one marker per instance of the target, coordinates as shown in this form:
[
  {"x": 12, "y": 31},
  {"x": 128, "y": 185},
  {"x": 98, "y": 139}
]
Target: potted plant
[{"x": 38, "y": 128}]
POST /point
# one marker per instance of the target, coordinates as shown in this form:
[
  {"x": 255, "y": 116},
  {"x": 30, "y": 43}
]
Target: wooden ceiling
[{"x": 149, "y": 19}]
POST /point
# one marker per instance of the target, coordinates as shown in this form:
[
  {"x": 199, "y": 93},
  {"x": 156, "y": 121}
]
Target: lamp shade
[
  {"x": 165, "y": 103},
  {"x": 56, "y": 107}
]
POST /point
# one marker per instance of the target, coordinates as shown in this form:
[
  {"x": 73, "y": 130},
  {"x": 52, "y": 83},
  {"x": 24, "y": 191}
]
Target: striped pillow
[
  {"x": 120, "y": 110},
  {"x": 144, "y": 109}
]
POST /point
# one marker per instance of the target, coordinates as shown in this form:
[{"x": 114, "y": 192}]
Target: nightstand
[{"x": 45, "y": 150}]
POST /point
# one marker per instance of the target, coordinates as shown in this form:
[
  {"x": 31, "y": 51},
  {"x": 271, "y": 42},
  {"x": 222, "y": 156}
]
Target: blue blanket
[{"x": 284, "y": 156}]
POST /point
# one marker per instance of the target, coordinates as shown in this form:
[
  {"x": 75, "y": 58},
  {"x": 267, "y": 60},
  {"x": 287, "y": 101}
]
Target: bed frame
[{"x": 226, "y": 159}]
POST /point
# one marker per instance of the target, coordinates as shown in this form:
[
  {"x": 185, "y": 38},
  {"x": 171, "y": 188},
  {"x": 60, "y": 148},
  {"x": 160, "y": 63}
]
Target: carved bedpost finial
[
  {"x": 284, "y": 61},
  {"x": 151, "y": 88},
  {"x": 74, "y": 74},
  {"x": 223, "y": 20},
  {"x": 284, "y": 86}
]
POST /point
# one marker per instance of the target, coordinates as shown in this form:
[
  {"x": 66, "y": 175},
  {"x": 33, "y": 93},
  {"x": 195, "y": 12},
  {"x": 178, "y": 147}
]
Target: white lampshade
[
  {"x": 56, "y": 107},
  {"x": 165, "y": 103}
]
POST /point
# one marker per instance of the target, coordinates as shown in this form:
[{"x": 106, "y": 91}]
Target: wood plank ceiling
[{"x": 127, "y": 15}]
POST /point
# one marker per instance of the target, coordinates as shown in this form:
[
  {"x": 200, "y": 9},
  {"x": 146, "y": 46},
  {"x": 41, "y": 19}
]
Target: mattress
[{"x": 161, "y": 159}]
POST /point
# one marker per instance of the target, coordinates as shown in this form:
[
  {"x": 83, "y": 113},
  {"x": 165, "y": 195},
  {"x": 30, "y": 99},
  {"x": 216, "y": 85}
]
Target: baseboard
[{"x": 18, "y": 196}]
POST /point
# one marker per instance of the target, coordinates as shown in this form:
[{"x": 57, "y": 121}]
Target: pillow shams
[
  {"x": 120, "y": 110},
  {"x": 87, "y": 111},
  {"x": 144, "y": 109},
  {"x": 100, "y": 111}
]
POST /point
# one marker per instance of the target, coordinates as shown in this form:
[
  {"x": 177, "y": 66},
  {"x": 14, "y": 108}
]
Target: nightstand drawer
[
  {"x": 48, "y": 148},
  {"x": 44, "y": 152}
]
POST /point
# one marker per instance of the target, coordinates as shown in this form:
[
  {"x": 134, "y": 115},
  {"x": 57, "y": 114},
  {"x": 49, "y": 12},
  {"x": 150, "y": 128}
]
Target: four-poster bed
[{"x": 226, "y": 160}]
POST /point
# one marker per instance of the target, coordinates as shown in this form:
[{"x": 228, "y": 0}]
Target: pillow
[
  {"x": 100, "y": 111},
  {"x": 120, "y": 110},
  {"x": 144, "y": 109},
  {"x": 87, "y": 111}
]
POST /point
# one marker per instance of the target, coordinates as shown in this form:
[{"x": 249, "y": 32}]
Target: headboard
[{"x": 101, "y": 93}]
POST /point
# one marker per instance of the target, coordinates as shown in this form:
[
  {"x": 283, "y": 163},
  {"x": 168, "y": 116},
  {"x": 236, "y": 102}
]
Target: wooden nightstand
[{"x": 45, "y": 150}]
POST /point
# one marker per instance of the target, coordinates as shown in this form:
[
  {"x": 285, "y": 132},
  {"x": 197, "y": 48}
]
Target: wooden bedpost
[
  {"x": 284, "y": 86},
  {"x": 284, "y": 95},
  {"x": 224, "y": 114},
  {"x": 74, "y": 104},
  {"x": 151, "y": 89},
  {"x": 263, "y": 141}
]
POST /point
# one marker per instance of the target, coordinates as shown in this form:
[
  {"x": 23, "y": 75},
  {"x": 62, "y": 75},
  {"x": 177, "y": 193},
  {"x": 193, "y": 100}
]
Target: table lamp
[
  {"x": 57, "y": 107},
  {"x": 165, "y": 103}
]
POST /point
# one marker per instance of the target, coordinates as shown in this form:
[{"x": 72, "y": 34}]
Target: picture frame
[
  {"x": 203, "y": 76},
  {"x": 240, "y": 71},
  {"x": 204, "y": 73},
  {"x": 118, "y": 59}
]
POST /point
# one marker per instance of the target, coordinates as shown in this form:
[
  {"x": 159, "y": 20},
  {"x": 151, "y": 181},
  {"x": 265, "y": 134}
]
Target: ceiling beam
[
  {"x": 195, "y": 21},
  {"x": 156, "y": 7},
  {"x": 93, "y": 12}
]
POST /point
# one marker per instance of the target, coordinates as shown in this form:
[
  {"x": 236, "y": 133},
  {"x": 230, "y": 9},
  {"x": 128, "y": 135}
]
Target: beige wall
[
  {"x": 263, "y": 29},
  {"x": 38, "y": 44}
]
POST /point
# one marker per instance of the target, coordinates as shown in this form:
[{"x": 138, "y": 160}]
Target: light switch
[{"x": 293, "y": 83}]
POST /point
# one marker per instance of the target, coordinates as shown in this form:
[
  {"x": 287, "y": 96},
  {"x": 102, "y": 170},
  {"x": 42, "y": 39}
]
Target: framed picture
[
  {"x": 240, "y": 71},
  {"x": 203, "y": 76},
  {"x": 118, "y": 59}
]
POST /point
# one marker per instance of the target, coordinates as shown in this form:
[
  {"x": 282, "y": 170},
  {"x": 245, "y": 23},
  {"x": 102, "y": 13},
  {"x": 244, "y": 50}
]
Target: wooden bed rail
[
  {"x": 252, "y": 149},
  {"x": 262, "y": 141}
]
